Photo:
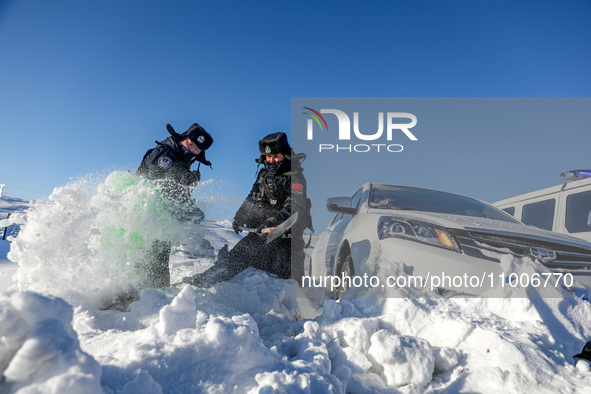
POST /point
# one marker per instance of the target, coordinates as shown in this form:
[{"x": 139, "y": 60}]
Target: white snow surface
[{"x": 254, "y": 333}]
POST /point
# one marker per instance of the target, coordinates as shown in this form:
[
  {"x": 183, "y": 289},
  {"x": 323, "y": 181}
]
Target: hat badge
[
  {"x": 268, "y": 150},
  {"x": 201, "y": 139}
]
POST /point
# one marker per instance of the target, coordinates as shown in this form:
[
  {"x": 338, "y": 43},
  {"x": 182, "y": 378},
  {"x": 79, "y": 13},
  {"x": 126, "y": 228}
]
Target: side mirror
[{"x": 340, "y": 205}]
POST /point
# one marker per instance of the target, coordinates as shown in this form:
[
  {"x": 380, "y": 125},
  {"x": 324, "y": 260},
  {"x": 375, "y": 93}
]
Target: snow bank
[
  {"x": 214, "y": 340},
  {"x": 39, "y": 350}
]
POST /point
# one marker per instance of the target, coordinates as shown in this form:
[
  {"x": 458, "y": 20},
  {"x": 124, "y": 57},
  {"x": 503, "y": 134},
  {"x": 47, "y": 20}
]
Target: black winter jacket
[
  {"x": 273, "y": 199},
  {"x": 168, "y": 165},
  {"x": 169, "y": 160}
]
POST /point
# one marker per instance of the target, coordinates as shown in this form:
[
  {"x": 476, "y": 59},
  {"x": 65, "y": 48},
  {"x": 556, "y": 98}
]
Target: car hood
[{"x": 484, "y": 225}]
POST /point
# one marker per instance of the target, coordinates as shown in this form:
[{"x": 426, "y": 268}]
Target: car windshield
[{"x": 412, "y": 198}]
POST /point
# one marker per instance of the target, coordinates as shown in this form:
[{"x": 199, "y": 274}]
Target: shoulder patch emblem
[
  {"x": 297, "y": 186},
  {"x": 164, "y": 161}
]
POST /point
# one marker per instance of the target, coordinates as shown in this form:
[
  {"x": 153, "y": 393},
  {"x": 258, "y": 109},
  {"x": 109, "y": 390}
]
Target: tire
[{"x": 346, "y": 269}]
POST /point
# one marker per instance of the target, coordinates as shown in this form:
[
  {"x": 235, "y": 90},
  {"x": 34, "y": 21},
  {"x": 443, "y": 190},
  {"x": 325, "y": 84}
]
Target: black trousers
[{"x": 281, "y": 257}]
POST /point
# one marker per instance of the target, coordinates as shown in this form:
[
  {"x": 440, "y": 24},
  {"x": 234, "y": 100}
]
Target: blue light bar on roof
[{"x": 575, "y": 175}]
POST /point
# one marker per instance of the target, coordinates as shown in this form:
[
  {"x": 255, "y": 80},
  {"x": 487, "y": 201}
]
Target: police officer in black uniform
[
  {"x": 278, "y": 193},
  {"x": 168, "y": 165}
]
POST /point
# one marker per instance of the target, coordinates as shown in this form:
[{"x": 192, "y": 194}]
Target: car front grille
[{"x": 487, "y": 246}]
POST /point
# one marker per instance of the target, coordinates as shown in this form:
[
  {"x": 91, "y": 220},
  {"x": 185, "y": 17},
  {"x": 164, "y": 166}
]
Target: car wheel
[{"x": 346, "y": 270}]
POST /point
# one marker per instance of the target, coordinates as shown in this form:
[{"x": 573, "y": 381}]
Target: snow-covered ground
[{"x": 253, "y": 333}]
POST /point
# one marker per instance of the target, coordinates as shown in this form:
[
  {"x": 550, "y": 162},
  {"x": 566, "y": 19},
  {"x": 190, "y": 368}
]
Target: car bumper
[
  {"x": 439, "y": 268},
  {"x": 457, "y": 273}
]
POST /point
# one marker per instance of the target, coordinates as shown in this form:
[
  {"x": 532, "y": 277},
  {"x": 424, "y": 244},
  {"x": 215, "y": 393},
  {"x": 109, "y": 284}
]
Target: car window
[
  {"x": 510, "y": 210},
  {"x": 417, "y": 199},
  {"x": 578, "y": 208},
  {"x": 539, "y": 214}
]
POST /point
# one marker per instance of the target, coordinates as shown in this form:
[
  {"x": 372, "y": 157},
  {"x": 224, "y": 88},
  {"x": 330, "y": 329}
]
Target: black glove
[
  {"x": 259, "y": 230},
  {"x": 195, "y": 177},
  {"x": 198, "y": 215},
  {"x": 190, "y": 178},
  {"x": 237, "y": 227}
]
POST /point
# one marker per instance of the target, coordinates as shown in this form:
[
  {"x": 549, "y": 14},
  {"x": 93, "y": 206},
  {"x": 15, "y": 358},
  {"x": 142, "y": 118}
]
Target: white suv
[{"x": 564, "y": 208}]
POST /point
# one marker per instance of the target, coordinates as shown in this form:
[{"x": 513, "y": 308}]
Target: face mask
[{"x": 272, "y": 168}]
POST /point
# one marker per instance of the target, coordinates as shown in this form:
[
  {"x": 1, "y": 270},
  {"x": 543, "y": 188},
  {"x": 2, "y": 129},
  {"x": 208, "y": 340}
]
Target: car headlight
[{"x": 392, "y": 227}]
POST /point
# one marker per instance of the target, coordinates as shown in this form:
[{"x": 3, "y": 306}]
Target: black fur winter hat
[
  {"x": 275, "y": 143},
  {"x": 198, "y": 135}
]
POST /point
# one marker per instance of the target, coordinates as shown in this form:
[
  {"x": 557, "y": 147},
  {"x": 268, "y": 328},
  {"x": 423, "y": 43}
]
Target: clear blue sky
[{"x": 87, "y": 86}]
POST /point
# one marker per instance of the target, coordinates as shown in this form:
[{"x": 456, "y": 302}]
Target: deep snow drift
[{"x": 249, "y": 334}]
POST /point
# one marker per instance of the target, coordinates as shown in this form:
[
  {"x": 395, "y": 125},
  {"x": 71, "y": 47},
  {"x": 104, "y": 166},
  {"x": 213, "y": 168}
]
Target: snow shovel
[{"x": 275, "y": 232}]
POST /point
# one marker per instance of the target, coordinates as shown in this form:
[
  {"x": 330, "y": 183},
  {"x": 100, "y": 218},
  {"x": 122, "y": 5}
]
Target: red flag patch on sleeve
[{"x": 297, "y": 186}]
